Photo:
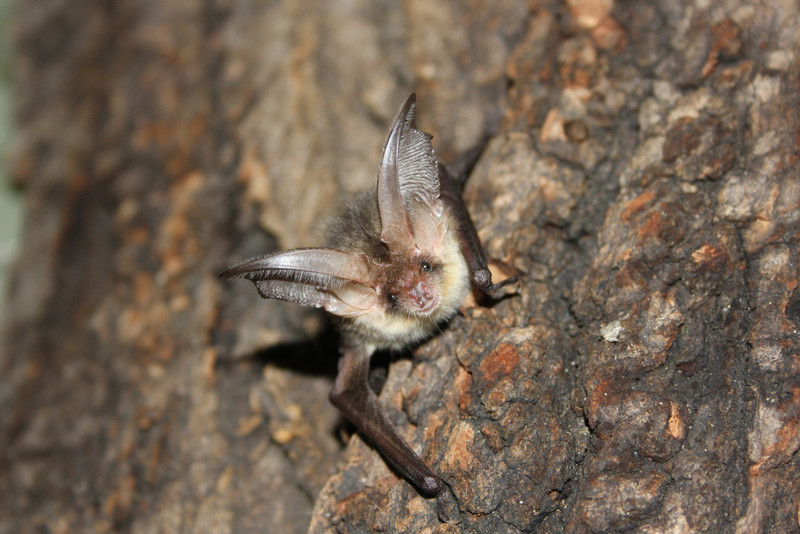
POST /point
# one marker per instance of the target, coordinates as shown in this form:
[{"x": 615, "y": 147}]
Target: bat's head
[
  {"x": 414, "y": 222},
  {"x": 396, "y": 287},
  {"x": 425, "y": 278}
]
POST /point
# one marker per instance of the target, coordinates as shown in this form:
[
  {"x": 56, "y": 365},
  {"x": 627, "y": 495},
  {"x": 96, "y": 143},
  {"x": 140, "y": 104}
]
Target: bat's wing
[
  {"x": 471, "y": 247},
  {"x": 412, "y": 213},
  {"x": 341, "y": 283}
]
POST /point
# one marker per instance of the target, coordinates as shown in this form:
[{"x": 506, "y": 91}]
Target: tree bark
[{"x": 642, "y": 175}]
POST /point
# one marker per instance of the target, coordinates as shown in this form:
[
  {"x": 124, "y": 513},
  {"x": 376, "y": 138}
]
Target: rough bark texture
[{"x": 643, "y": 175}]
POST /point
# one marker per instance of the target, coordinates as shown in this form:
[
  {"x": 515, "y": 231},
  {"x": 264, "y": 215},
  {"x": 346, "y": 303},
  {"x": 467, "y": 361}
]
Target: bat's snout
[{"x": 423, "y": 296}]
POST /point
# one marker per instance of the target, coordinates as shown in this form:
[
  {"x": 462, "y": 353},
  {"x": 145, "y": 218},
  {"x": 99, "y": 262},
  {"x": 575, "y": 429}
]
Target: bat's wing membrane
[{"x": 341, "y": 283}]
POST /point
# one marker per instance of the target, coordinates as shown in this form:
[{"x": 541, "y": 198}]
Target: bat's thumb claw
[
  {"x": 509, "y": 285},
  {"x": 504, "y": 288},
  {"x": 447, "y": 507},
  {"x": 510, "y": 281}
]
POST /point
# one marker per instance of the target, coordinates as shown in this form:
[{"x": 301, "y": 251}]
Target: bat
[{"x": 399, "y": 261}]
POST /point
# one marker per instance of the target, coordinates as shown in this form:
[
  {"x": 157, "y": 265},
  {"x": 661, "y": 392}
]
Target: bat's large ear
[
  {"x": 324, "y": 278},
  {"x": 408, "y": 186}
]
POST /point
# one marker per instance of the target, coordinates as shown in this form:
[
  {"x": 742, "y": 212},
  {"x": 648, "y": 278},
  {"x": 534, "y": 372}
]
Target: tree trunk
[{"x": 642, "y": 174}]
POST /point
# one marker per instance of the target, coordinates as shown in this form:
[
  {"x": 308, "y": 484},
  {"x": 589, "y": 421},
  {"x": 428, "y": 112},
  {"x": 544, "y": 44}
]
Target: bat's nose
[{"x": 423, "y": 296}]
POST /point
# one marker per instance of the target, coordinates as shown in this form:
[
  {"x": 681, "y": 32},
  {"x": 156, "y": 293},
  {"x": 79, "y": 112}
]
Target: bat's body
[{"x": 399, "y": 264}]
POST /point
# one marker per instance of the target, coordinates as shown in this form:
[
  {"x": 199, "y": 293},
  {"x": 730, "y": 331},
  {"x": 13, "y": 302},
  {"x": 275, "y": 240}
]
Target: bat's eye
[
  {"x": 392, "y": 298},
  {"x": 425, "y": 267}
]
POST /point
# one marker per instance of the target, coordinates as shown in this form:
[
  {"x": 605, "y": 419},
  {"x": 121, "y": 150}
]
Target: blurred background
[{"x": 10, "y": 200}]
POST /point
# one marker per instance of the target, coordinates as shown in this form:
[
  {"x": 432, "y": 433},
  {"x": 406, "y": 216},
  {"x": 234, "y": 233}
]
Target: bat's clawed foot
[{"x": 447, "y": 507}]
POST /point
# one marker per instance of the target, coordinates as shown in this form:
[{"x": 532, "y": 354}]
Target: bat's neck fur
[{"x": 358, "y": 229}]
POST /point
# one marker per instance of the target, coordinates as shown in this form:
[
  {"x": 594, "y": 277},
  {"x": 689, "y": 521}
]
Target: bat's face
[{"x": 413, "y": 286}]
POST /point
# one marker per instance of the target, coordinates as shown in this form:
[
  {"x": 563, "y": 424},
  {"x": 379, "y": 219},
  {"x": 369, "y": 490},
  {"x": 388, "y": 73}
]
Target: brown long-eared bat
[{"x": 399, "y": 262}]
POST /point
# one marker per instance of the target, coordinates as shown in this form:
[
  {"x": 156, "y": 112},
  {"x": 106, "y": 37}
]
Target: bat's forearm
[
  {"x": 355, "y": 398},
  {"x": 471, "y": 247}
]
